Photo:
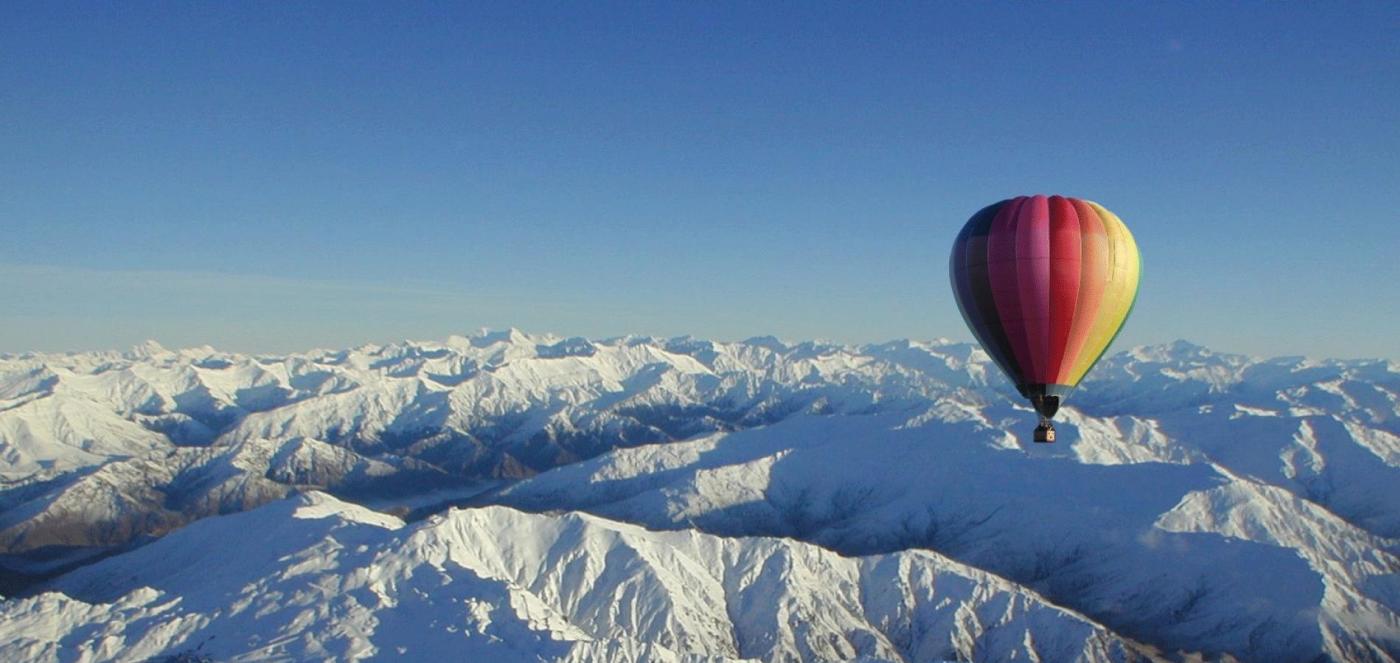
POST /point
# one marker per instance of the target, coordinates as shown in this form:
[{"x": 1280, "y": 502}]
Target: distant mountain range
[{"x": 1198, "y": 504}]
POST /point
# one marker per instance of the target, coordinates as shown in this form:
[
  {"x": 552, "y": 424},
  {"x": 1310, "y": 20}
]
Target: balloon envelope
[{"x": 1045, "y": 284}]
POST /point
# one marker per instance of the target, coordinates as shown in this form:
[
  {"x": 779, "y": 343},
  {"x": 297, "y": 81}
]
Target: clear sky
[{"x": 279, "y": 176}]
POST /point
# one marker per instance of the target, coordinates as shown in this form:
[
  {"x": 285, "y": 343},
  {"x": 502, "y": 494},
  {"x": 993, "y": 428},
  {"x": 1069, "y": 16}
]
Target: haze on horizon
[{"x": 281, "y": 177}]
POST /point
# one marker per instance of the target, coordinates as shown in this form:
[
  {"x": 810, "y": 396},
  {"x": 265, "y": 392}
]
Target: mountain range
[{"x": 536, "y": 497}]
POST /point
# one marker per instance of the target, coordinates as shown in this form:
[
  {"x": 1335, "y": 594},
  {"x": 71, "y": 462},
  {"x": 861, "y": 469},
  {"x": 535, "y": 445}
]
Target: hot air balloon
[{"x": 1045, "y": 284}]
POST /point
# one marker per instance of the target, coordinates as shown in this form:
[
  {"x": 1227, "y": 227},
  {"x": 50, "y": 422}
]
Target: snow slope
[
  {"x": 313, "y": 578},
  {"x": 1196, "y": 501},
  {"x": 504, "y": 402},
  {"x": 152, "y": 493},
  {"x": 1187, "y": 556}
]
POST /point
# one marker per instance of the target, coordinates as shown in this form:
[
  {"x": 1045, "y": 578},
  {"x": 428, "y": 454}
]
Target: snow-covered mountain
[
  {"x": 98, "y": 449},
  {"x": 503, "y": 403},
  {"x": 1196, "y": 502},
  {"x": 313, "y": 578},
  {"x": 1187, "y": 556}
]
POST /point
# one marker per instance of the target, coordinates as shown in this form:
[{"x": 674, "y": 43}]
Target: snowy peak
[
  {"x": 147, "y": 349},
  {"x": 1187, "y": 556},
  {"x": 312, "y": 577},
  {"x": 317, "y": 505},
  {"x": 1196, "y": 501},
  {"x": 490, "y": 397}
]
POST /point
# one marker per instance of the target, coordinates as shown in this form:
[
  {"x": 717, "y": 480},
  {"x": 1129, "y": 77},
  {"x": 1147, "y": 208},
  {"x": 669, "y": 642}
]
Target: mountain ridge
[
  {"x": 553, "y": 587},
  {"x": 1218, "y": 469}
]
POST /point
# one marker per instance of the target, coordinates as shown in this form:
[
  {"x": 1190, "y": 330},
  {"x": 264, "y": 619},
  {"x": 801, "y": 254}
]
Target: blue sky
[{"x": 273, "y": 177}]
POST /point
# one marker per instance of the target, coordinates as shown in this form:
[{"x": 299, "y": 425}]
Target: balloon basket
[{"x": 1045, "y": 433}]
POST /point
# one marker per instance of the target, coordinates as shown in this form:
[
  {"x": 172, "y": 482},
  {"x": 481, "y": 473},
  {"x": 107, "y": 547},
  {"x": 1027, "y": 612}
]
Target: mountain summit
[{"x": 1197, "y": 502}]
